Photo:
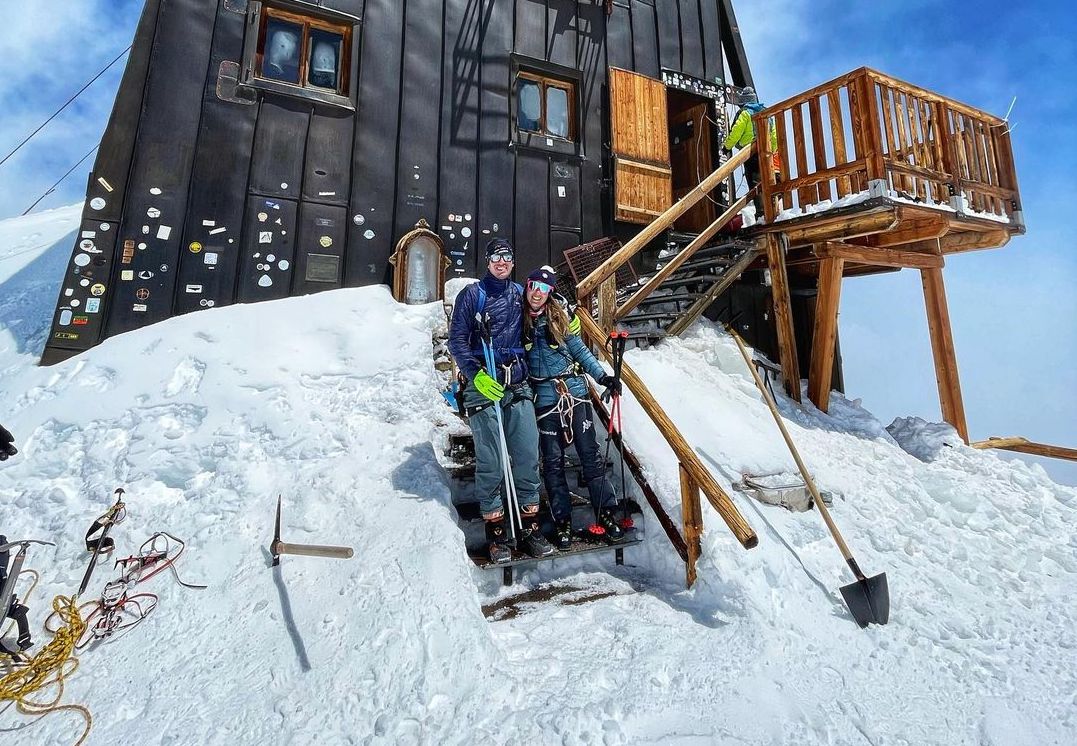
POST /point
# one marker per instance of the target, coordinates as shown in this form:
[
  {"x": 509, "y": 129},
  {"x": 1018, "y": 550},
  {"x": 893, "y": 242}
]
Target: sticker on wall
[
  {"x": 265, "y": 237},
  {"x": 278, "y": 221},
  {"x": 97, "y": 203},
  {"x": 89, "y": 234},
  {"x": 208, "y": 223},
  {"x": 97, "y": 289},
  {"x": 81, "y": 260},
  {"x": 446, "y": 227},
  {"x": 210, "y": 258},
  {"x": 86, "y": 244},
  {"x": 274, "y": 205},
  {"x": 263, "y": 216},
  {"x": 194, "y": 288},
  {"x": 283, "y": 265},
  {"x": 560, "y": 190},
  {"x": 155, "y": 191},
  {"x": 494, "y": 227},
  {"x": 153, "y": 212},
  {"x": 75, "y": 302},
  {"x": 231, "y": 240},
  {"x": 93, "y": 305},
  {"x": 467, "y": 217},
  {"x": 80, "y": 320},
  {"x": 452, "y": 236},
  {"x": 84, "y": 283},
  {"x": 205, "y": 303},
  {"x": 104, "y": 183},
  {"x": 127, "y": 274},
  {"x": 270, "y": 257},
  {"x": 104, "y": 226},
  {"x": 140, "y": 307},
  {"x": 65, "y": 335},
  {"x": 327, "y": 194},
  {"x": 358, "y": 219},
  {"x": 465, "y": 232},
  {"x": 461, "y": 261},
  {"x": 215, "y": 231},
  {"x": 142, "y": 246},
  {"x": 368, "y": 234},
  {"x": 325, "y": 242},
  {"x": 486, "y": 231},
  {"x": 325, "y": 222},
  {"x": 65, "y": 317},
  {"x": 128, "y": 252},
  {"x": 284, "y": 185},
  {"x": 265, "y": 281},
  {"x": 163, "y": 268},
  {"x": 164, "y": 232},
  {"x": 195, "y": 247},
  {"x": 145, "y": 275},
  {"x": 145, "y": 230},
  {"x": 142, "y": 293}
]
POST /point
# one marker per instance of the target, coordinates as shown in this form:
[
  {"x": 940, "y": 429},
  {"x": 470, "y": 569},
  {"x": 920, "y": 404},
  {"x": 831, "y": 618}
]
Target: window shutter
[{"x": 642, "y": 179}]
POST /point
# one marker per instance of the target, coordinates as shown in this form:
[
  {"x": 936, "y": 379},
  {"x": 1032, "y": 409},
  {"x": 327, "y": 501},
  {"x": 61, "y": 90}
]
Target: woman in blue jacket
[{"x": 557, "y": 359}]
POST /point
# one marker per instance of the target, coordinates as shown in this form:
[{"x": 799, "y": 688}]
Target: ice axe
[
  {"x": 868, "y": 598},
  {"x": 278, "y": 547}
]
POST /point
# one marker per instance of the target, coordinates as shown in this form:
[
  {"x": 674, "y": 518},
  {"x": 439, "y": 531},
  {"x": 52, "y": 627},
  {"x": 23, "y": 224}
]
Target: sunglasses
[
  {"x": 542, "y": 287},
  {"x": 501, "y": 256}
]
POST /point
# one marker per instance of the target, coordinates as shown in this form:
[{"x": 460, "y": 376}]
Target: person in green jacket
[
  {"x": 557, "y": 360},
  {"x": 742, "y": 135}
]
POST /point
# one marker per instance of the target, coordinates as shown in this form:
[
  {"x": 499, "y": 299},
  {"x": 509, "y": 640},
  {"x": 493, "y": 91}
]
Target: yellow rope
[{"x": 52, "y": 664}]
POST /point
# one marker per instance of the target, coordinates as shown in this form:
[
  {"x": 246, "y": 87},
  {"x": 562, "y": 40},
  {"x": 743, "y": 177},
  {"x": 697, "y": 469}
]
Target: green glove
[
  {"x": 574, "y": 325},
  {"x": 488, "y": 387}
]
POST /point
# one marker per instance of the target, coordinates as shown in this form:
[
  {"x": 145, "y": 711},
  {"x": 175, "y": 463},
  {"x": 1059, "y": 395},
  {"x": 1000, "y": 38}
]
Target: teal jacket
[{"x": 546, "y": 361}]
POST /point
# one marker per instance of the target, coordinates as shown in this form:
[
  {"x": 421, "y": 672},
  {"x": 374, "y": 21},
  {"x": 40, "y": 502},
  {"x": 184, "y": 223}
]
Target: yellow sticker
[
  {"x": 325, "y": 241},
  {"x": 195, "y": 247},
  {"x": 97, "y": 289}
]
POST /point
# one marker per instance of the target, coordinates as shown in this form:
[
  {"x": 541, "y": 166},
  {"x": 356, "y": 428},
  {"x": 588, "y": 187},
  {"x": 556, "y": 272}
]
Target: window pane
[
  {"x": 528, "y": 105},
  {"x": 557, "y": 111},
  {"x": 325, "y": 54},
  {"x": 280, "y": 57}
]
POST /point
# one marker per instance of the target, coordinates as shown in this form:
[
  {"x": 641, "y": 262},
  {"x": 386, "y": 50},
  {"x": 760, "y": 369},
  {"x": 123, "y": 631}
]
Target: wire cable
[
  {"x": 52, "y": 188},
  {"x": 66, "y": 104}
]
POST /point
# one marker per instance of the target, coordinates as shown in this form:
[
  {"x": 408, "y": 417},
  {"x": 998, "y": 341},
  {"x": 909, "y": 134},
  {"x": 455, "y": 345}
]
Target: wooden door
[
  {"x": 642, "y": 181},
  {"x": 691, "y": 162}
]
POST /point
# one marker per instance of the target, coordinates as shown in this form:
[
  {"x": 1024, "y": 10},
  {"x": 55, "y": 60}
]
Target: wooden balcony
[{"x": 868, "y": 160}]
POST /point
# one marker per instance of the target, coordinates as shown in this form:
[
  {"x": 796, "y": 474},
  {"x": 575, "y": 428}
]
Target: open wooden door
[{"x": 642, "y": 179}]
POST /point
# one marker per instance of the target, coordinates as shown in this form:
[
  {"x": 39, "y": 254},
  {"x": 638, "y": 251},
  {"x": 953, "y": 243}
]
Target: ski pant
[
  {"x": 553, "y": 437},
  {"x": 521, "y": 435}
]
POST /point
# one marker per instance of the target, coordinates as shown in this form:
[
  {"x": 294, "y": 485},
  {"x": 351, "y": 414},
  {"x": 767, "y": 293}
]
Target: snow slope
[{"x": 331, "y": 401}]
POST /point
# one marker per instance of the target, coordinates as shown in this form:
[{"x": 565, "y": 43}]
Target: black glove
[
  {"x": 613, "y": 386},
  {"x": 7, "y": 444}
]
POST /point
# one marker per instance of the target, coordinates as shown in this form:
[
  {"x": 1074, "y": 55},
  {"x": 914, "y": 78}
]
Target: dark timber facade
[{"x": 216, "y": 186}]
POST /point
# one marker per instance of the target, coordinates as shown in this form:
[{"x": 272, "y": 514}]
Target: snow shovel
[{"x": 868, "y": 598}]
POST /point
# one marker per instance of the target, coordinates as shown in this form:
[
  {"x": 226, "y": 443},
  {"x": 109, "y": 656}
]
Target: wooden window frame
[
  {"x": 307, "y": 17},
  {"x": 545, "y": 82}
]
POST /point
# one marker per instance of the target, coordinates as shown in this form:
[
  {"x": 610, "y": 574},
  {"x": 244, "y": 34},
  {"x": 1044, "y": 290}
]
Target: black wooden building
[{"x": 258, "y": 150}]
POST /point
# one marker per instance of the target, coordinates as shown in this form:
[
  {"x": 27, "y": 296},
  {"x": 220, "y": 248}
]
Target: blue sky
[{"x": 1014, "y": 310}]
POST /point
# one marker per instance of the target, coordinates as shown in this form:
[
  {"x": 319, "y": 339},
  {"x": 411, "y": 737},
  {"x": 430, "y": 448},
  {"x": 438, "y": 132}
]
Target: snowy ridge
[{"x": 331, "y": 400}]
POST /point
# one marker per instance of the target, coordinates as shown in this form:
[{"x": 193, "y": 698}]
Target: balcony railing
[{"x": 866, "y": 132}]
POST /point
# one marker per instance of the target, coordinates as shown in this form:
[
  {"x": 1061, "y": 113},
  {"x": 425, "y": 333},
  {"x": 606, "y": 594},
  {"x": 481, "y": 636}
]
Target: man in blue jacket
[{"x": 492, "y": 309}]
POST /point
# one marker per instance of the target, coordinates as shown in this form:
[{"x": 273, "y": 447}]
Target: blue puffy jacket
[
  {"x": 504, "y": 310},
  {"x": 548, "y": 362}
]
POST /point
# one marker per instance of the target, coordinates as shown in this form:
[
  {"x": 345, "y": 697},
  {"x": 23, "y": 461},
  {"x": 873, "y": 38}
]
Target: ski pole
[{"x": 506, "y": 471}]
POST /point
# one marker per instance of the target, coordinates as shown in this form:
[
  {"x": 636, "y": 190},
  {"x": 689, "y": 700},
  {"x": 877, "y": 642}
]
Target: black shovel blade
[{"x": 868, "y": 600}]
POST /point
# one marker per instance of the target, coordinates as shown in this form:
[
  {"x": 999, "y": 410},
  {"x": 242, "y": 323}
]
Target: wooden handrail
[
  {"x": 687, "y": 456},
  {"x": 675, "y": 263},
  {"x": 663, "y": 221}
]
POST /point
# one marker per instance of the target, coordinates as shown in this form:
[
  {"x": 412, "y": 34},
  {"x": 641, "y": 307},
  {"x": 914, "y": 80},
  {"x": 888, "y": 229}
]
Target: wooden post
[
  {"x": 607, "y": 302},
  {"x": 783, "y": 314},
  {"x": 826, "y": 332},
  {"x": 942, "y": 348},
  {"x": 716, "y": 496},
  {"x": 692, "y": 517}
]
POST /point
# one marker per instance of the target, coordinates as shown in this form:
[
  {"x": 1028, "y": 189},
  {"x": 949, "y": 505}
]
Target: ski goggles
[
  {"x": 542, "y": 287},
  {"x": 501, "y": 255}
]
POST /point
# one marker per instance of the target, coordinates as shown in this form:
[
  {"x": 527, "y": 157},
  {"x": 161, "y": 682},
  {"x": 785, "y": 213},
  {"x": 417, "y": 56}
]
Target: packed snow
[{"x": 332, "y": 402}]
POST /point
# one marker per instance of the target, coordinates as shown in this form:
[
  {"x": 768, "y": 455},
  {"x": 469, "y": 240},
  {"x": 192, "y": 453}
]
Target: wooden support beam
[
  {"x": 837, "y": 228},
  {"x": 880, "y": 257},
  {"x": 783, "y": 314},
  {"x": 825, "y": 335},
  {"x": 607, "y": 302},
  {"x": 692, "y": 519},
  {"x": 675, "y": 263},
  {"x": 1024, "y": 445},
  {"x": 661, "y": 223},
  {"x": 942, "y": 349},
  {"x": 963, "y": 240},
  {"x": 717, "y": 497},
  {"x": 926, "y": 230}
]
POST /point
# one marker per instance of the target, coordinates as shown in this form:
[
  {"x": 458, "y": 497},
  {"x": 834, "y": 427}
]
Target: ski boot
[
  {"x": 531, "y": 539},
  {"x": 498, "y": 540},
  {"x": 608, "y": 521},
  {"x": 562, "y": 536}
]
